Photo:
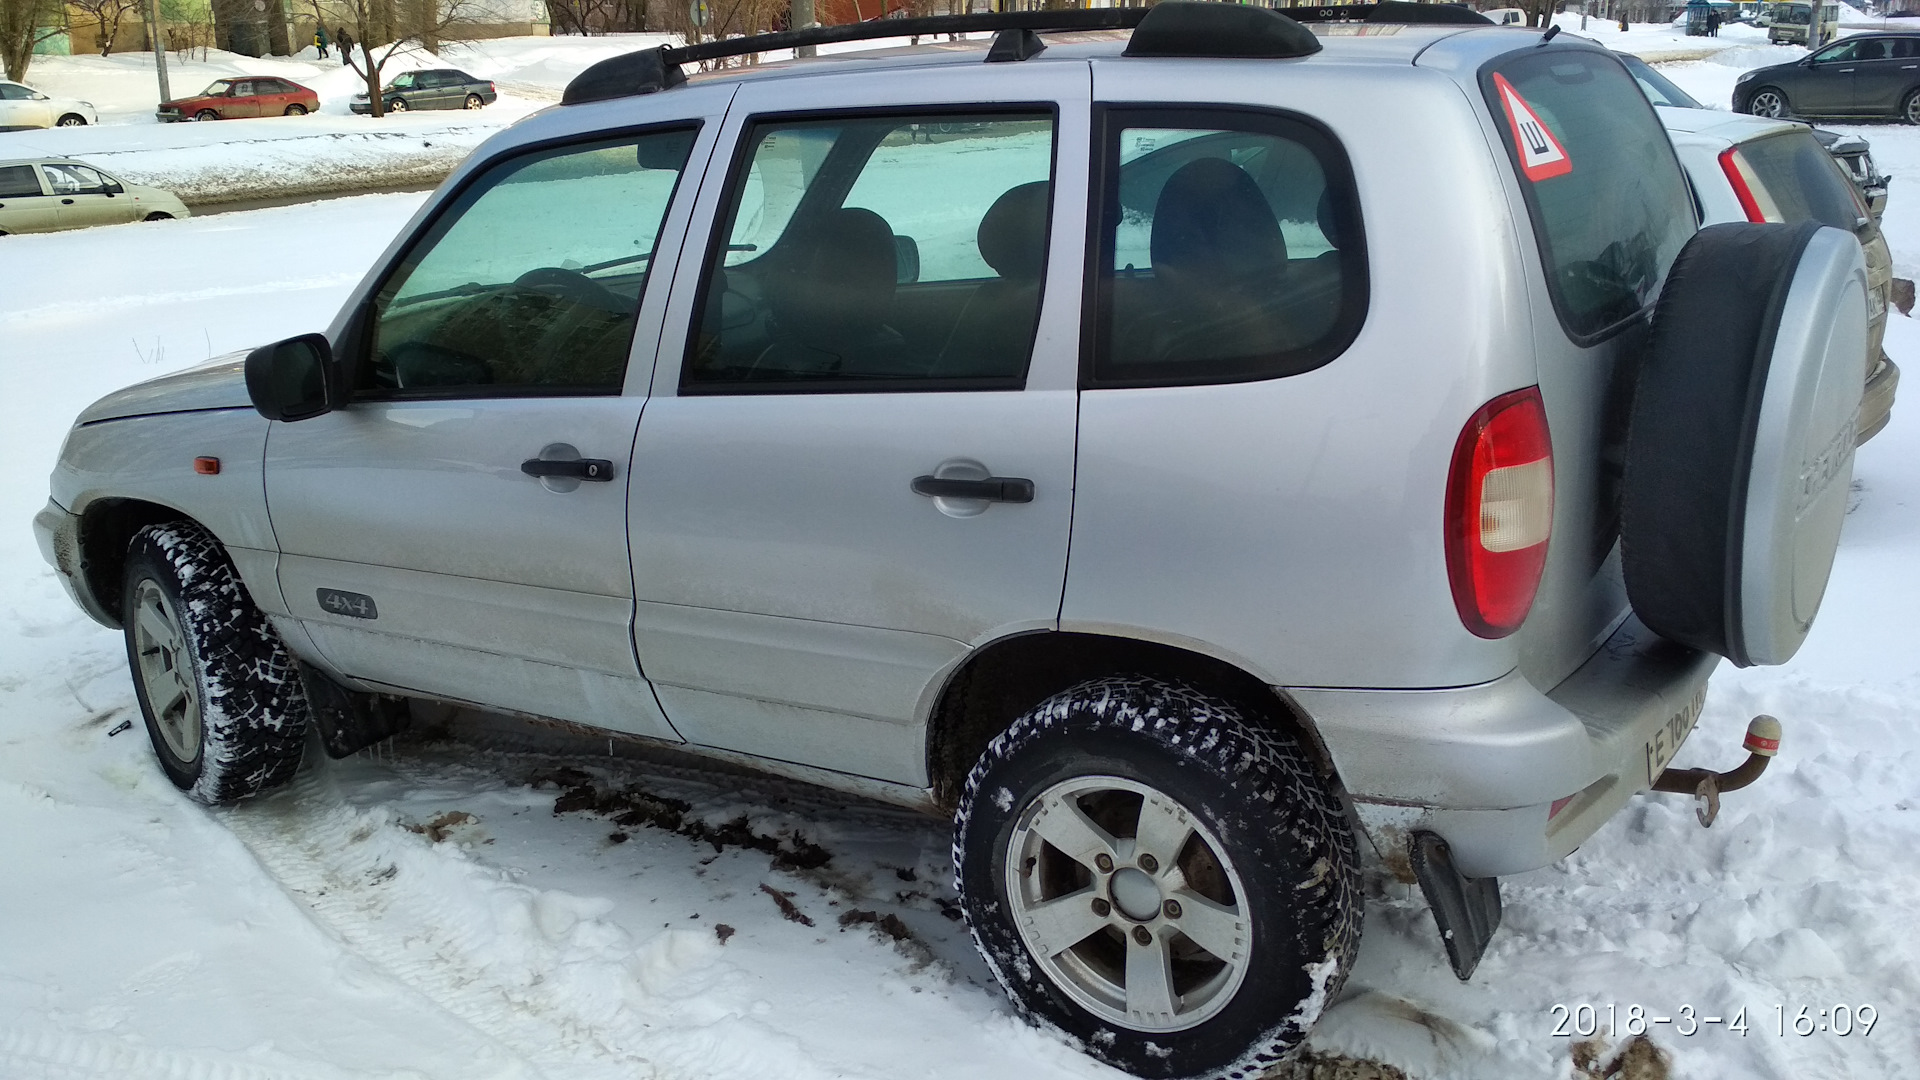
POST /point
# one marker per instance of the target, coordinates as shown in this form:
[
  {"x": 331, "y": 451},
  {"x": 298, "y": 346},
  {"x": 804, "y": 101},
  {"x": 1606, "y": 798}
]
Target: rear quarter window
[{"x": 1607, "y": 197}]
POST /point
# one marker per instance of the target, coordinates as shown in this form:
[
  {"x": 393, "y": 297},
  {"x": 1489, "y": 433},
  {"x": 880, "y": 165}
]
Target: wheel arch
[
  {"x": 1000, "y": 681},
  {"x": 107, "y": 526}
]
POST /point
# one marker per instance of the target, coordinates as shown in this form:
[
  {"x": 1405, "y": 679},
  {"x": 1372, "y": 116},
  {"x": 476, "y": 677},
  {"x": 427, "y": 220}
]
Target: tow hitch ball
[{"x": 1763, "y": 741}]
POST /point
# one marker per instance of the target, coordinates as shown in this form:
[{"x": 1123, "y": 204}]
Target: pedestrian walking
[
  {"x": 346, "y": 45},
  {"x": 320, "y": 40}
]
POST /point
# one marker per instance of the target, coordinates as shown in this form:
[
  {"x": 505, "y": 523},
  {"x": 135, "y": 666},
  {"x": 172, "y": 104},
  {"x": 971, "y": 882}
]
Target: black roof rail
[
  {"x": 656, "y": 69},
  {"x": 1171, "y": 28}
]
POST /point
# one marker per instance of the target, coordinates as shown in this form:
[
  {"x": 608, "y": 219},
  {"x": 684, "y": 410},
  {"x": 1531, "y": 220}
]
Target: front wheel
[
  {"x": 1769, "y": 103},
  {"x": 1150, "y": 869},
  {"x": 397, "y": 105},
  {"x": 222, "y": 702},
  {"x": 158, "y": 216},
  {"x": 206, "y": 114},
  {"x": 73, "y": 120},
  {"x": 474, "y": 101},
  {"x": 296, "y": 109}
]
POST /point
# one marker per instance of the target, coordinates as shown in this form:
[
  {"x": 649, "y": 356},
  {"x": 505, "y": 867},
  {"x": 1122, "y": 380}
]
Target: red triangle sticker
[{"x": 1541, "y": 155}]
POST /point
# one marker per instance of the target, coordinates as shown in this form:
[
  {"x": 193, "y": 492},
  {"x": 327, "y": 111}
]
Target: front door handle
[
  {"x": 1010, "y": 489},
  {"x": 66, "y": 202},
  {"x": 598, "y": 470}
]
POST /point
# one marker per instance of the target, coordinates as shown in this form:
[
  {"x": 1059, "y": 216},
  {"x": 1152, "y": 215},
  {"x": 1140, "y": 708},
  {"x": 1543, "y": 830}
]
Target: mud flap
[
  {"x": 350, "y": 721},
  {"x": 1466, "y": 910}
]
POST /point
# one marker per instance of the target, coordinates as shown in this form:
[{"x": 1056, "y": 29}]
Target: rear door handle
[
  {"x": 598, "y": 470},
  {"x": 1010, "y": 489}
]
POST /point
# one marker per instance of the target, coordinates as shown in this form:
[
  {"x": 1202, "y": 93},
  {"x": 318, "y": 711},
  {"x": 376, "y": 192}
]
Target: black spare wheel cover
[{"x": 1740, "y": 449}]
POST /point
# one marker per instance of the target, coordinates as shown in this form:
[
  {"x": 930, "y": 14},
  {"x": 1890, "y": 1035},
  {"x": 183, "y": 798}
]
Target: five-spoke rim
[
  {"x": 1129, "y": 903},
  {"x": 165, "y": 670}
]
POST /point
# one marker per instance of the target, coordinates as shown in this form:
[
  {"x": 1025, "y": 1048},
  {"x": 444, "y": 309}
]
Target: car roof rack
[{"x": 1171, "y": 28}]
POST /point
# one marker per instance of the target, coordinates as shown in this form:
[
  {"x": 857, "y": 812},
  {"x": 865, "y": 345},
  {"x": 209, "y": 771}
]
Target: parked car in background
[
  {"x": 235, "y": 99},
  {"x": 1875, "y": 74},
  {"x": 1748, "y": 168},
  {"x": 22, "y": 107},
  {"x": 433, "y": 88},
  {"x": 1851, "y": 151},
  {"x": 49, "y": 194}
]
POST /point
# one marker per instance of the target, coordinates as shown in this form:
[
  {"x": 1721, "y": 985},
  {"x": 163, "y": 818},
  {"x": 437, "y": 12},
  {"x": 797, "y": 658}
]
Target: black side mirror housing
[{"x": 293, "y": 379}]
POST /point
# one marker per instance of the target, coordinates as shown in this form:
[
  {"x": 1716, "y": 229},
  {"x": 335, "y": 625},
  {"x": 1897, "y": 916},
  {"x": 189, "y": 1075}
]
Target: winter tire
[
  {"x": 206, "y": 114},
  {"x": 220, "y": 695},
  {"x": 73, "y": 120},
  {"x": 1910, "y": 108},
  {"x": 296, "y": 109},
  {"x": 397, "y": 105},
  {"x": 474, "y": 101},
  {"x": 1145, "y": 867},
  {"x": 1769, "y": 103},
  {"x": 1740, "y": 442},
  {"x": 158, "y": 216}
]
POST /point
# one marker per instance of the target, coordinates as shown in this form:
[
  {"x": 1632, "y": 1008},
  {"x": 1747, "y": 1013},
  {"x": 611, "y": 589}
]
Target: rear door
[
  {"x": 24, "y": 205},
  {"x": 459, "y": 528},
  {"x": 1887, "y": 69},
  {"x": 858, "y": 462}
]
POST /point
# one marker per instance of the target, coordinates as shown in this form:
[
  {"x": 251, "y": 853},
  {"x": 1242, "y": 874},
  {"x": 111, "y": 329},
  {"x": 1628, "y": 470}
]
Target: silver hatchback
[{"x": 1196, "y": 460}]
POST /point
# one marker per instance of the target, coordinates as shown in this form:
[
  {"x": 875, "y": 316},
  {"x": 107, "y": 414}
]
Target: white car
[
  {"x": 22, "y": 106},
  {"x": 52, "y": 194}
]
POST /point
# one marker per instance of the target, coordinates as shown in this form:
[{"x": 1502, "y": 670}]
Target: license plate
[{"x": 1666, "y": 739}]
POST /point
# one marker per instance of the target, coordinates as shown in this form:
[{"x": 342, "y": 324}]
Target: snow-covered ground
[{"x": 425, "y": 914}]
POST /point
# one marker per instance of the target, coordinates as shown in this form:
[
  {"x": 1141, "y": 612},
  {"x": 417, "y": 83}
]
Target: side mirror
[{"x": 293, "y": 379}]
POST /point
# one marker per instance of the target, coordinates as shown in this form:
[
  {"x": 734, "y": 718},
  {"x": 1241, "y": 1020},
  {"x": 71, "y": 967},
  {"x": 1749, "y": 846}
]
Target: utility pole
[
  {"x": 802, "y": 19},
  {"x": 157, "y": 29}
]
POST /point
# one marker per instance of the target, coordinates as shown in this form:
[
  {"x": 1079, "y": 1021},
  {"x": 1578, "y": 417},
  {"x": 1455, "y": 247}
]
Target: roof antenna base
[{"x": 1014, "y": 45}]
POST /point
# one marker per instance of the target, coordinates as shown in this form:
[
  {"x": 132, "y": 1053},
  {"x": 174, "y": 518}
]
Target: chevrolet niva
[{"x": 1190, "y": 459}]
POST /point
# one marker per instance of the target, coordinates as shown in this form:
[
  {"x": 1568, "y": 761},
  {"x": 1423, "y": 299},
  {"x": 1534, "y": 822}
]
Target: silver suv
[{"x": 1194, "y": 460}]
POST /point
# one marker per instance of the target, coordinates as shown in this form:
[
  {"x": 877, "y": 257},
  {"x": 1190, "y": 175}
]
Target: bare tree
[
  {"x": 383, "y": 29},
  {"x": 23, "y": 25},
  {"x": 107, "y": 15}
]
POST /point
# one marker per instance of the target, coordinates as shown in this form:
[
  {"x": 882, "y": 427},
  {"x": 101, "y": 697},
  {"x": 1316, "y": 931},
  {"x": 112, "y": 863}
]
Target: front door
[
  {"x": 1826, "y": 86},
  {"x": 83, "y": 198},
  {"x": 459, "y": 528},
  {"x": 858, "y": 461}
]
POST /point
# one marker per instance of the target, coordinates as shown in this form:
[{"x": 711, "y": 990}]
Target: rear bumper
[
  {"x": 58, "y": 533},
  {"x": 1876, "y": 405},
  {"x": 1482, "y": 765}
]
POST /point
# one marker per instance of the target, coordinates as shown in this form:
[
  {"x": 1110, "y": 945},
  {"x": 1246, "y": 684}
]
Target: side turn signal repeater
[
  {"x": 1500, "y": 512},
  {"x": 207, "y": 466}
]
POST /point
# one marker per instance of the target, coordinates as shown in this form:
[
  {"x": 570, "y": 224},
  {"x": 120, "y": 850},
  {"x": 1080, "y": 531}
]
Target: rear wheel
[
  {"x": 1768, "y": 102},
  {"x": 206, "y": 114},
  {"x": 73, "y": 120},
  {"x": 1910, "y": 108},
  {"x": 474, "y": 101},
  {"x": 1174, "y": 885},
  {"x": 220, "y": 696},
  {"x": 296, "y": 109}
]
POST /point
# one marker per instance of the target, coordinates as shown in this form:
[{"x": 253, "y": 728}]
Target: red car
[{"x": 230, "y": 99}]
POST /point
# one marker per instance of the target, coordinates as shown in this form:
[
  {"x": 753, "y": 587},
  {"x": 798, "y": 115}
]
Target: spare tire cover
[{"x": 1740, "y": 444}]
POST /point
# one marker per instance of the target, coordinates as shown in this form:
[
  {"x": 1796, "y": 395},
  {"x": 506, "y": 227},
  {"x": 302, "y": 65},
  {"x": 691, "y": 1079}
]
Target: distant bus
[{"x": 1792, "y": 19}]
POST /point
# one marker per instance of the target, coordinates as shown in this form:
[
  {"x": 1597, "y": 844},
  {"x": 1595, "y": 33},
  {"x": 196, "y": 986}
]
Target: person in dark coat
[
  {"x": 346, "y": 45},
  {"x": 1713, "y": 24}
]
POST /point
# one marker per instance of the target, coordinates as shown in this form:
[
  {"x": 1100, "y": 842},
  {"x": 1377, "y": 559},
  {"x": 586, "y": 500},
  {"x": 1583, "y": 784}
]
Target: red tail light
[
  {"x": 1500, "y": 512},
  {"x": 1750, "y": 193}
]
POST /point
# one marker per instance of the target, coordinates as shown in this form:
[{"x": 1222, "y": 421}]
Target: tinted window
[
  {"x": 1609, "y": 203},
  {"x": 14, "y": 92},
  {"x": 530, "y": 280},
  {"x": 17, "y": 181},
  {"x": 878, "y": 253},
  {"x": 1230, "y": 248},
  {"x": 1795, "y": 179}
]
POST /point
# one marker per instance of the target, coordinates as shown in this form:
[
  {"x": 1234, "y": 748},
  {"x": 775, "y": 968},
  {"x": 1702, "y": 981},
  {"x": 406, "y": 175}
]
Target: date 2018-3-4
[{"x": 1580, "y": 1021}]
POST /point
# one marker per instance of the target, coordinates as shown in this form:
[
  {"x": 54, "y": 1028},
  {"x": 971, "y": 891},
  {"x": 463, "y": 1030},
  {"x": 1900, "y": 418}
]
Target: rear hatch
[{"x": 1610, "y": 210}]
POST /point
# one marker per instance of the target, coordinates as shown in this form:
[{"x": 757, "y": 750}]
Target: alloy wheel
[
  {"x": 1768, "y": 103},
  {"x": 165, "y": 672},
  {"x": 1129, "y": 903}
]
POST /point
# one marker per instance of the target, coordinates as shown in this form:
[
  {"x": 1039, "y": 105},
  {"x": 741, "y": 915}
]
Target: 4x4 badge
[
  {"x": 1541, "y": 155},
  {"x": 351, "y": 604}
]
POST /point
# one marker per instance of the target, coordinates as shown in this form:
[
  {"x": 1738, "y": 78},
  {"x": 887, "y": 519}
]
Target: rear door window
[
  {"x": 1608, "y": 199},
  {"x": 18, "y": 182}
]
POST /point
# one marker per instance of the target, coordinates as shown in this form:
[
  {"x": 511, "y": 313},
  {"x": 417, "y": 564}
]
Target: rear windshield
[
  {"x": 1802, "y": 180},
  {"x": 1609, "y": 203}
]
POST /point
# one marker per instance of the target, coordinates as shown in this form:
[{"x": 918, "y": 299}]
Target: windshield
[
  {"x": 1795, "y": 14},
  {"x": 218, "y": 88},
  {"x": 1657, "y": 87}
]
